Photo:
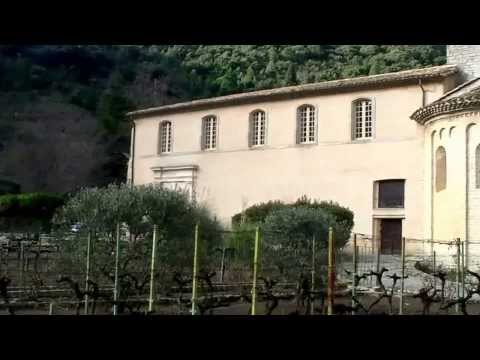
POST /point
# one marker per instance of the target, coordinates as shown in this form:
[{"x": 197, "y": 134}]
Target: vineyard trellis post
[
  {"x": 457, "y": 244},
  {"x": 115, "y": 288},
  {"x": 255, "y": 270},
  {"x": 87, "y": 271},
  {"x": 354, "y": 272},
  {"x": 378, "y": 245},
  {"x": 434, "y": 270},
  {"x": 152, "y": 269},
  {"x": 402, "y": 283},
  {"x": 312, "y": 303},
  {"x": 331, "y": 271},
  {"x": 194, "y": 276},
  {"x": 463, "y": 267},
  {"x": 222, "y": 264},
  {"x": 22, "y": 263}
]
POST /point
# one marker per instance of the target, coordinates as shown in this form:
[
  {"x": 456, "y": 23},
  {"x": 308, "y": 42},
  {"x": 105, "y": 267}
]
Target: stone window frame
[
  {"x": 376, "y": 193},
  {"x": 299, "y": 125},
  {"x": 165, "y": 140},
  {"x": 440, "y": 168},
  {"x": 253, "y": 133},
  {"x": 210, "y": 143},
  {"x": 354, "y": 120}
]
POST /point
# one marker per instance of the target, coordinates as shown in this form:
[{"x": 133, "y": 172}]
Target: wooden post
[
  {"x": 379, "y": 245},
  {"x": 462, "y": 270},
  {"x": 331, "y": 271},
  {"x": 222, "y": 265},
  {"x": 402, "y": 283},
  {"x": 115, "y": 288},
  {"x": 457, "y": 243},
  {"x": 39, "y": 252},
  {"x": 22, "y": 263},
  {"x": 434, "y": 270},
  {"x": 50, "y": 309},
  {"x": 255, "y": 269},
  {"x": 152, "y": 269},
  {"x": 354, "y": 272},
  {"x": 194, "y": 277},
  {"x": 312, "y": 302},
  {"x": 87, "y": 272}
]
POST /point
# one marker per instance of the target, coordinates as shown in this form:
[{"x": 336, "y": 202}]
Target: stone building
[{"x": 400, "y": 149}]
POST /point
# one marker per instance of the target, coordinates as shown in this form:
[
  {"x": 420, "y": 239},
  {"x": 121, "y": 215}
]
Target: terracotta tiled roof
[
  {"x": 433, "y": 72},
  {"x": 466, "y": 101}
]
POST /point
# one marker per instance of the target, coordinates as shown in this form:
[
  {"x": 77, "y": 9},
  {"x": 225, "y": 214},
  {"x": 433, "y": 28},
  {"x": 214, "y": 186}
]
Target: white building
[{"x": 354, "y": 141}]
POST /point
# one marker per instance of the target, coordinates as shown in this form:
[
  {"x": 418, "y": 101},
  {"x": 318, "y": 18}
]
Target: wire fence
[{"x": 238, "y": 273}]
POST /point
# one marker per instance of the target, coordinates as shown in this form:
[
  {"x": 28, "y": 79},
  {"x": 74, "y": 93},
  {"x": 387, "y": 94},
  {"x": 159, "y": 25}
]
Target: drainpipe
[
  {"x": 424, "y": 100},
  {"x": 132, "y": 153}
]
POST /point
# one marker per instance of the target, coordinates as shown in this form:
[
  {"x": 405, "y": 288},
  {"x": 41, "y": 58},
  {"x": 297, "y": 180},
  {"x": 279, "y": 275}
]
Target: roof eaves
[{"x": 256, "y": 96}]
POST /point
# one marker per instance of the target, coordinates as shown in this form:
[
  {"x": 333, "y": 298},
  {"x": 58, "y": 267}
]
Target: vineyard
[{"x": 253, "y": 276}]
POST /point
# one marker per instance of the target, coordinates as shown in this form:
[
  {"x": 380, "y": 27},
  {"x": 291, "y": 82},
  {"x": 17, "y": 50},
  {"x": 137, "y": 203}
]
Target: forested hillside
[{"x": 62, "y": 122}]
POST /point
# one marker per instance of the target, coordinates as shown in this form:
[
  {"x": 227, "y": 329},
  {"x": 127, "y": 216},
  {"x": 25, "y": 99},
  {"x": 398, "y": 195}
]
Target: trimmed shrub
[
  {"x": 259, "y": 212},
  {"x": 32, "y": 211}
]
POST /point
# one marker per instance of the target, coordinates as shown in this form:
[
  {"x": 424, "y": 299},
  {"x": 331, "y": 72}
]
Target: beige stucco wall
[
  {"x": 455, "y": 211},
  {"x": 336, "y": 168}
]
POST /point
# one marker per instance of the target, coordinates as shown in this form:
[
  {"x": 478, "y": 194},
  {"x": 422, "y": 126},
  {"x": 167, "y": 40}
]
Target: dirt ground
[{"x": 412, "y": 306}]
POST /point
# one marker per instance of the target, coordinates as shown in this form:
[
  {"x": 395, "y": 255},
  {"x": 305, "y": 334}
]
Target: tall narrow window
[
  {"x": 362, "y": 121},
  {"x": 165, "y": 137},
  {"x": 209, "y": 136},
  {"x": 440, "y": 169},
  {"x": 477, "y": 167},
  {"x": 257, "y": 128},
  {"x": 306, "y": 125}
]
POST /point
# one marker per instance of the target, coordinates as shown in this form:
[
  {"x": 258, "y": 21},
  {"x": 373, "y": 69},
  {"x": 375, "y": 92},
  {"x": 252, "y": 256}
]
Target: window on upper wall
[
  {"x": 165, "y": 145},
  {"x": 306, "y": 125},
  {"x": 440, "y": 169},
  {"x": 391, "y": 193},
  {"x": 257, "y": 128},
  {"x": 362, "y": 119},
  {"x": 209, "y": 132},
  {"x": 477, "y": 167}
]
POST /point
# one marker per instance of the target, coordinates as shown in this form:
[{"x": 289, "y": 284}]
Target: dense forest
[{"x": 62, "y": 119}]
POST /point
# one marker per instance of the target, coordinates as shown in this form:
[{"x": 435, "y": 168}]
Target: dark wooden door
[{"x": 391, "y": 235}]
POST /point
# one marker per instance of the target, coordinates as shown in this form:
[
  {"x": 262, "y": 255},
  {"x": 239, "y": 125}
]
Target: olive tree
[
  {"x": 96, "y": 212},
  {"x": 288, "y": 237}
]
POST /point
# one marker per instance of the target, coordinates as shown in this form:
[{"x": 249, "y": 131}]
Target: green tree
[
  {"x": 288, "y": 238},
  {"x": 112, "y": 107},
  {"x": 30, "y": 212},
  {"x": 291, "y": 75},
  {"x": 137, "y": 209}
]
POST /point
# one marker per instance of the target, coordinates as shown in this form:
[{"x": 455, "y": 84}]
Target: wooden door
[{"x": 391, "y": 236}]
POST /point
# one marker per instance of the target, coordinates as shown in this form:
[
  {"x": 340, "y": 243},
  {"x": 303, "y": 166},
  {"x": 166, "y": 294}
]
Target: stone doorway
[{"x": 390, "y": 236}]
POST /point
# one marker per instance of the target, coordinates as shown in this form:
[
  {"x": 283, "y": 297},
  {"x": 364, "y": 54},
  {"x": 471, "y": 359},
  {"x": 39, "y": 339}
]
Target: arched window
[
  {"x": 257, "y": 128},
  {"x": 165, "y": 137},
  {"x": 362, "y": 119},
  {"x": 477, "y": 167},
  {"x": 306, "y": 125},
  {"x": 209, "y": 132},
  {"x": 440, "y": 169},
  {"x": 451, "y": 131},
  {"x": 442, "y": 130}
]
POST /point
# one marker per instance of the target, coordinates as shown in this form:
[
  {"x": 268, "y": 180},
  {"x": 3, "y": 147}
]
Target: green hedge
[
  {"x": 9, "y": 187},
  {"x": 28, "y": 210},
  {"x": 258, "y": 213}
]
